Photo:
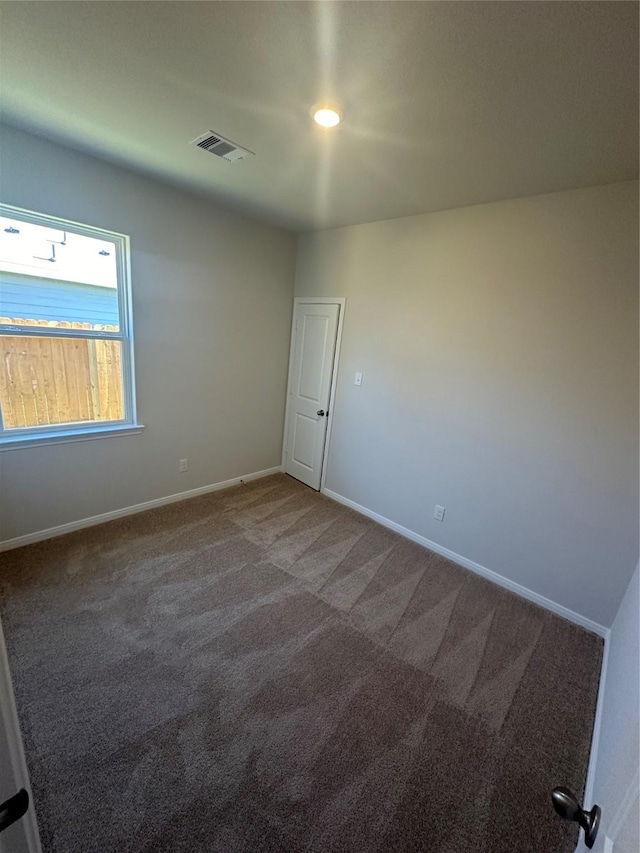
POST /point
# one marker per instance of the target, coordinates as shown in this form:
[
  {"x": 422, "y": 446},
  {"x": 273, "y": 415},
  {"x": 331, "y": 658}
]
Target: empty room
[{"x": 319, "y": 427}]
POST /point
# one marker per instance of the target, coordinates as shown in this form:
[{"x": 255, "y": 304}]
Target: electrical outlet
[
  {"x": 183, "y": 466},
  {"x": 357, "y": 378},
  {"x": 438, "y": 513}
]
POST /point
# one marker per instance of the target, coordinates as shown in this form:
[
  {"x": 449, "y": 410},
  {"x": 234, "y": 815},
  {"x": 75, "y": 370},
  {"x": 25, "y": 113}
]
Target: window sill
[{"x": 22, "y": 442}]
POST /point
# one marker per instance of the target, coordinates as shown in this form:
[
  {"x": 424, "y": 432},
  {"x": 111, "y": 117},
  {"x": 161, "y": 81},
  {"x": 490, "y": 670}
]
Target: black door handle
[
  {"x": 13, "y": 809},
  {"x": 320, "y": 413},
  {"x": 567, "y": 806}
]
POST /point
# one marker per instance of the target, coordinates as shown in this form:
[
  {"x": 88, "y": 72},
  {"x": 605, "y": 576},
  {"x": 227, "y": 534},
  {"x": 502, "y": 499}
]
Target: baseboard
[
  {"x": 61, "y": 529},
  {"x": 517, "y": 588}
]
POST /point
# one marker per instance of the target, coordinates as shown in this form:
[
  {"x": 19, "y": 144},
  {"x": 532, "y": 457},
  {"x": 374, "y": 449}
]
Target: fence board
[
  {"x": 36, "y": 368},
  {"x": 23, "y": 382},
  {"x": 9, "y": 385},
  {"x": 51, "y": 396},
  {"x": 61, "y": 408}
]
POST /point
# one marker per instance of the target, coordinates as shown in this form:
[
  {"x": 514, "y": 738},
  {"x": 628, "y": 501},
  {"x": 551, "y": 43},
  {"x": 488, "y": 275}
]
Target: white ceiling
[{"x": 445, "y": 103}]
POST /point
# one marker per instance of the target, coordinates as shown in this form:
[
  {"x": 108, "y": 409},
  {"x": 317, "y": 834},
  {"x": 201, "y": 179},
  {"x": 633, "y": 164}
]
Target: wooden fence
[{"x": 46, "y": 380}]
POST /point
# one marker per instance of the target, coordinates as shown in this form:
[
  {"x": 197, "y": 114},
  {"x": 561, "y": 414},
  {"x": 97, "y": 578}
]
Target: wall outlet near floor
[
  {"x": 183, "y": 465},
  {"x": 438, "y": 513}
]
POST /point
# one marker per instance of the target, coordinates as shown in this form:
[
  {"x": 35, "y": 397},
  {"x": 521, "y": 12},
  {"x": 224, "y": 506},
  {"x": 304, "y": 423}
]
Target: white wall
[
  {"x": 617, "y": 761},
  {"x": 499, "y": 347},
  {"x": 212, "y": 295}
]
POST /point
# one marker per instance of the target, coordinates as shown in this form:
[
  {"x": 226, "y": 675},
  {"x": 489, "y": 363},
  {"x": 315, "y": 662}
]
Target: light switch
[
  {"x": 438, "y": 513},
  {"x": 358, "y": 379}
]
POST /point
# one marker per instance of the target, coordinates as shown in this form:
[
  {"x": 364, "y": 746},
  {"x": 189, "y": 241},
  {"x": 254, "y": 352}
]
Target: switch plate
[
  {"x": 438, "y": 513},
  {"x": 183, "y": 466},
  {"x": 358, "y": 379}
]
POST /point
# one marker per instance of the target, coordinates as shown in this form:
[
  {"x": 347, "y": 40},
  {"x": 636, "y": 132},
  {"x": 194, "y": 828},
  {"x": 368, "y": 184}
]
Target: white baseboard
[
  {"x": 61, "y": 529},
  {"x": 522, "y": 591}
]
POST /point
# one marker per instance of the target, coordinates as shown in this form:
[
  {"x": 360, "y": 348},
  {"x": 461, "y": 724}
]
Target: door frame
[
  {"x": 315, "y": 300},
  {"x": 10, "y": 726}
]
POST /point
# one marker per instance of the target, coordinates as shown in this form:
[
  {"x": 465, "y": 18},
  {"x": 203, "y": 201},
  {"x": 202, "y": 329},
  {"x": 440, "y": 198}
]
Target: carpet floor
[{"x": 263, "y": 669}]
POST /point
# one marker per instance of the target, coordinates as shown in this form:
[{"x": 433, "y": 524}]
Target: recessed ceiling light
[{"x": 326, "y": 117}]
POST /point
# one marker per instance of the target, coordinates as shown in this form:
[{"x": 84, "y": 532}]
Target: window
[{"x": 65, "y": 330}]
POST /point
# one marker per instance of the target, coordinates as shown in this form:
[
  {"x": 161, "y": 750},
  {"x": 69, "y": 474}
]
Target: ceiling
[{"x": 445, "y": 104}]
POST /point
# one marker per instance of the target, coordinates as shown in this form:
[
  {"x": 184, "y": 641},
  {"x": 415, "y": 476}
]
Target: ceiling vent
[{"x": 221, "y": 147}]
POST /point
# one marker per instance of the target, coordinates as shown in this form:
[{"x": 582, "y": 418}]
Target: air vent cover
[{"x": 221, "y": 147}]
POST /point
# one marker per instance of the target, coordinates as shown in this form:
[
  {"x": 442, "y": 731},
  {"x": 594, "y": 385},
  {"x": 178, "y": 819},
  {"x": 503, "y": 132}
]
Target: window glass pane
[
  {"x": 45, "y": 381},
  {"x": 56, "y": 276}
]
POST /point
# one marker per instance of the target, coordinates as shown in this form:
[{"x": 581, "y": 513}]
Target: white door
[
  {"x": 314, "y": 345},
  {"x": 21, "y": 836}
]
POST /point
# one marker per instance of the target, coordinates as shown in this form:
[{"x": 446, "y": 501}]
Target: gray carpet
[{"x": 262, "y": 669}]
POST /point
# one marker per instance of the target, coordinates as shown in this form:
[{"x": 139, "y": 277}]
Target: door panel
[
  {"x": 315, "y": 331},
  {"x": 304, "y": 439}
]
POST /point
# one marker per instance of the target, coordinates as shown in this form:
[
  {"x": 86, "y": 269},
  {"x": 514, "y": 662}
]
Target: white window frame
[{"x": 11, "y": 439}]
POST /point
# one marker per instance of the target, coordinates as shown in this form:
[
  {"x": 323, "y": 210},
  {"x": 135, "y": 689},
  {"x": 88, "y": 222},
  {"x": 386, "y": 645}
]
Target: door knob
[
  {"x": 567, "y": 806},
  {"x": 13, "y": 809},
  {"x": 320, "y": 413}
]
